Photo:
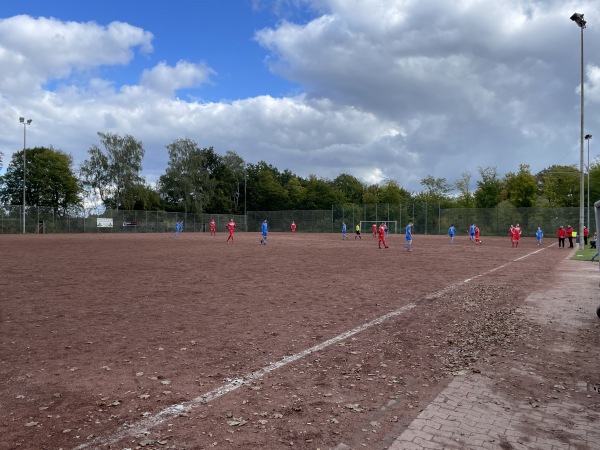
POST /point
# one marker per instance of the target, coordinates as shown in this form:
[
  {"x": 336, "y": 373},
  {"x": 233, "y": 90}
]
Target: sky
[{"x": 378, "y": 89}]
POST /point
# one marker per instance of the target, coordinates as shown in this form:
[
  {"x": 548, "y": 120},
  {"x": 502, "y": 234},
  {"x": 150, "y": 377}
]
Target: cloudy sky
[{"x": 380, "y": 89}]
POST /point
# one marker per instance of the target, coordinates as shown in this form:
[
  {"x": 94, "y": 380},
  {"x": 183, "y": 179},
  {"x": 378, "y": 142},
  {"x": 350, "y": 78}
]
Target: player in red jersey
[
  {"x": 374, "y": 227},
  {"x": 231, "y": 228},
  {"x": 382, "y": 235},
  {"x": 477, "y": 240},
  {"x": 213, "y": 228},
  {"x": 516, "y": 235},
  {"x": 293, "y": 227}
]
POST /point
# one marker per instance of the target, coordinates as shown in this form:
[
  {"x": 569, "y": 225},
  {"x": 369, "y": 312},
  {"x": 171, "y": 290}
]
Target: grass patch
[{"x": 585, "y": 255}]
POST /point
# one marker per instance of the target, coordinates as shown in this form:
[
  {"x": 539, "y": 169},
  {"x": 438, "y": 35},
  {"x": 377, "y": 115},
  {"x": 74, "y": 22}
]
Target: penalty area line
[{"x": 175, "y": 410}]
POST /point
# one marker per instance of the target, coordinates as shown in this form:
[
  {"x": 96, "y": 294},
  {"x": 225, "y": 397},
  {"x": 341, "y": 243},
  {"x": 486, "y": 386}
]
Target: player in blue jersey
[
  {"x": 539, "y": 234},
  {"x": 178, "y": 227},
  {"x": 344, "y": 231},
  {"x": 409, "y": 236},
  {"x": 451, "y": 233},
  {"x": 265, "y": 231},
  {"x": 472, "y": 232}
]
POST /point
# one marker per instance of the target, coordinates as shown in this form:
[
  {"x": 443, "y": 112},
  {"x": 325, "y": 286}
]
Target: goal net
[{"x": 366, "y": 226}]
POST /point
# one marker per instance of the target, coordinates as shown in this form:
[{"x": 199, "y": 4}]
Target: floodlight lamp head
[
  {"x": 578, "y": 19},
  {"x": 588, "y": 137},
  {"x": 21, "y": 119},
  {"x": 29, "y": 121}
]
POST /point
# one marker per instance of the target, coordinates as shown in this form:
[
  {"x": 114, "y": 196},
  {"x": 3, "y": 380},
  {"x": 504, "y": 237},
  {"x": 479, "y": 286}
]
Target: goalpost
[{"x": 366, "y": 226}]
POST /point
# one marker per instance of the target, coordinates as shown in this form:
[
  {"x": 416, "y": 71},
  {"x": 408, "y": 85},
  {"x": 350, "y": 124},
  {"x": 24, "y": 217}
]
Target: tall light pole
[
  {"x": 587, "y": 137},
  {"x": 25, "y": 123},
  {"x": 578, "y": 19}
]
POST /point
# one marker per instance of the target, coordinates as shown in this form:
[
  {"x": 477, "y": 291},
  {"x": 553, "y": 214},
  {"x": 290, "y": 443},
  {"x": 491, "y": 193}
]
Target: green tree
[
  {"x": 559, "y": 185},
  {"x": 463, "y": 186},
  {"x": 50, "y": 179},
  {"x": 187, "y": 185},
  {"x": 146, "y": 198},
  {"x": 114, "y": 173},
  {"x": 371, "y": 194},
  {"x": 487, "y": 194},
  {"x": 296, "y": 193},
  {"x": 236, "y": 173},
  {"x": 267, "y": 192},
  {"x": 520, "y": 188},
  {"x": 219, "y": 189},
  {"x": 321, "y": 194},
  {"x": 264, "y": 188},
  {"x": 594, "y": 185},
  {"x": 391, "y": 192},
  {"x": 437, "y": 190},
  {"x": 351, "y": 188}
]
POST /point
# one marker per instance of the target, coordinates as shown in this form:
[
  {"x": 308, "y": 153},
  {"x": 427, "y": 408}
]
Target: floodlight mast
[
  {"x": 579, "y": 20},
  {"x": 25, "y": 122},
  {"x": 587, "y": 137}
]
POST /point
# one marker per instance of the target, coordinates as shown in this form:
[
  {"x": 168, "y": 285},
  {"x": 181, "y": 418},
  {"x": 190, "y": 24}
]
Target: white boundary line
[{"x": 175, "y": 410}]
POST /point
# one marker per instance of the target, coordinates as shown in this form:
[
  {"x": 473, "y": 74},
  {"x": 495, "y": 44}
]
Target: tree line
[{"x": 199, "y": 180}]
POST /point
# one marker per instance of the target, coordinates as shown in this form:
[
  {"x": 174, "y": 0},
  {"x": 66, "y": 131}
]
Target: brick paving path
[{"x": 477, "y": 412}]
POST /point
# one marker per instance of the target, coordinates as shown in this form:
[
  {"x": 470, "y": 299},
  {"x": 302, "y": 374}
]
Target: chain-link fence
[
  {"x": 497, "y": 221},
  {"x": 427, "y": 218},
  {"x": 52, "y": 220}
]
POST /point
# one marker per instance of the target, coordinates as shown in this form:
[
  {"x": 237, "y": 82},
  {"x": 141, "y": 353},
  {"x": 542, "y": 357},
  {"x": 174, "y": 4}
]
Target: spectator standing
[
  {"x": 562, "y": 234},
  {"x": 570, "y": 235}
]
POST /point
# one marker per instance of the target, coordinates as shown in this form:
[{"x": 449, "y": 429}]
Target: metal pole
[
  {"x": 25, "y": 123},
  {"x": 587, "y": 138},
  {"x": 581, "y": 214},
  {"x": 24, "y": 170},
  {"x": 426, "y": 206},
  {"x": 579, "y": 20}
]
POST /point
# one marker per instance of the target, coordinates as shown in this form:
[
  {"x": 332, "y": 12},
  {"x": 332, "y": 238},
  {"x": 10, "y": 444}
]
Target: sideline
[{"x": 180, "y": 408}]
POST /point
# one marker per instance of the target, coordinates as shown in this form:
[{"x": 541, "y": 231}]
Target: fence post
[
  {"x": 400, "y": 216},
  {"x": 426, "y": 208}
]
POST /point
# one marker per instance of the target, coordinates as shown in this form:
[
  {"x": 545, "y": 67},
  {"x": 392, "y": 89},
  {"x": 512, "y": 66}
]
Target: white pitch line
[{"x": 175, "y": 410}]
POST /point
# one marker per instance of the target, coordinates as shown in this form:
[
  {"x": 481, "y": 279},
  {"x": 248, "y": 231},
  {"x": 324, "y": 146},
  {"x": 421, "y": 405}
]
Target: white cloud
[
  {"x": 35, "y": 51},
  {"x": 396, "y": 89},
  {"x": 165, "y": 79}
]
